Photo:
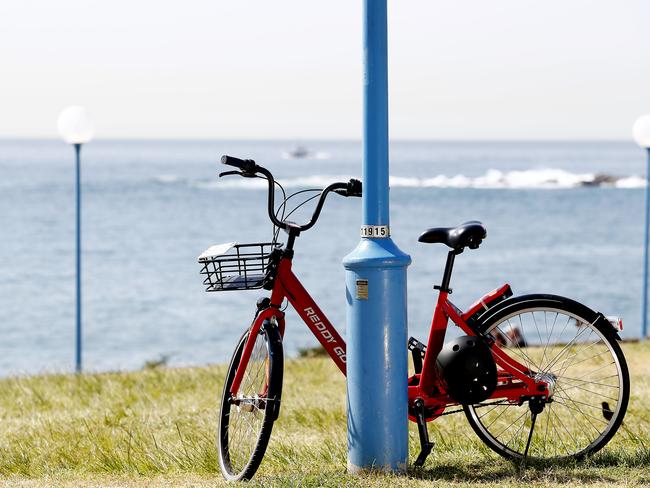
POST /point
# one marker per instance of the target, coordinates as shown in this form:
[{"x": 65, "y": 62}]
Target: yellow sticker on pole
[{"x": 362, "y": 289}]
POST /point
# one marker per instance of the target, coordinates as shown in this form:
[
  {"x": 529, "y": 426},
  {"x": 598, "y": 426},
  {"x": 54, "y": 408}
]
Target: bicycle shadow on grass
[{"x": 596, "y": 469}]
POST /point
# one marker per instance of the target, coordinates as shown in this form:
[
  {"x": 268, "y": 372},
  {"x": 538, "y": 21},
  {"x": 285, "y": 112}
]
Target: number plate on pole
[{"x": 377, "y": 231}]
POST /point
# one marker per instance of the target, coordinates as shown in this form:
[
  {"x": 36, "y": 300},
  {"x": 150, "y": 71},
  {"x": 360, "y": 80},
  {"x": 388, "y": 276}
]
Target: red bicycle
[{"x": 538, "y": 377}]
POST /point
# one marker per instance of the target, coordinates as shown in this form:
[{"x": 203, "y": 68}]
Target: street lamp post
[
  {"x": 641, "y": 131},
  {"x": 76, "y": 128},
  {"x": 376, "y": 286}
]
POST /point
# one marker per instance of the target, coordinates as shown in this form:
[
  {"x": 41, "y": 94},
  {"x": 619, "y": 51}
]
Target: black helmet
[{"x": 468, "y": 369}]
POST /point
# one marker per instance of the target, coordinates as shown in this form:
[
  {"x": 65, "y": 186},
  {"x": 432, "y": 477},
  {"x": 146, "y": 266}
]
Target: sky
[{"x": 292, "y": 69}]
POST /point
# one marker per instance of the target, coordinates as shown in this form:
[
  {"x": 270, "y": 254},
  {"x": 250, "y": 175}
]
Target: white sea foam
[
  {"x": 317, "y": 181},
  {"x": 322, "y": 155},
  {"x": 631, "y": 182},
  {"x": 167, "y": 178},
  {"x": 492, "y": 179}
]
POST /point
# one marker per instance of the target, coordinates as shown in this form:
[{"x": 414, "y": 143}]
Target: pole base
[
  {"x": 362, "y": 470},
  {"x": 377, "y": 367}
]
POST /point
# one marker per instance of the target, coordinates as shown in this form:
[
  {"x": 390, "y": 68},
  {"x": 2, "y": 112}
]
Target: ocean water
[{"x": 564, "y": 218}]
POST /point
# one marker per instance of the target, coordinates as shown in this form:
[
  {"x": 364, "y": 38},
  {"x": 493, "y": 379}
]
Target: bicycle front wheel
[
  {"x": 246, "y": 418},
  {"x": 563, "y": 343}
]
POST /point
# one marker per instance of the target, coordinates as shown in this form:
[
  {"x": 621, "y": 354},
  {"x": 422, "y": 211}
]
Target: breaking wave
[
  {"x": 536, "y": 178},
  {"x": 492, "y": 179}
]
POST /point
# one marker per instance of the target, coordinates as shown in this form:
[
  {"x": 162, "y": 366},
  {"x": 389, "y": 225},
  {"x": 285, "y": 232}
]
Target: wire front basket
[{"x": 239, "y": 267}]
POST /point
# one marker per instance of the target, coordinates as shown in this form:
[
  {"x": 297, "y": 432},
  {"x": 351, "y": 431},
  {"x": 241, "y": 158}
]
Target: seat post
[{"x": 449, "y": 266}]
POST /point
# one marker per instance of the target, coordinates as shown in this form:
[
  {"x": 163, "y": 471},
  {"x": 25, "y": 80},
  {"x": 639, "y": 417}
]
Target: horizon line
[{"x": 299, "y": 141}]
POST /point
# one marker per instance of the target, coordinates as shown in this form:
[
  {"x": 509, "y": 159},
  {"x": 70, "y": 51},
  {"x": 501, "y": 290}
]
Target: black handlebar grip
[
  {"x": 246, "y": 165},
  {"x": 355, "y": 188}
]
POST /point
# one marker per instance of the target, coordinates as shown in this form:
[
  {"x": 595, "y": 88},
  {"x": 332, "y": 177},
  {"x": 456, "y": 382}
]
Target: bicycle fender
[
  {"x": 609, "y": 326},
  {"x": 277, "y": 359},
  {"x": 501, "y": 309}
]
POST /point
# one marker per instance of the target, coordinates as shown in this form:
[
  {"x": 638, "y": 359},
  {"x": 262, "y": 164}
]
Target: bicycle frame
[
  {"x": 288, "y": 286},
  {"x": 427, "y": 385},
  {"x": 514, "y": 379}
]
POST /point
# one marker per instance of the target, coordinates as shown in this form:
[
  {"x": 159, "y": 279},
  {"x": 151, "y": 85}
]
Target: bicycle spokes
[
  {"x": 248, "y": 407},
  {"x": 577, "y": 362}
]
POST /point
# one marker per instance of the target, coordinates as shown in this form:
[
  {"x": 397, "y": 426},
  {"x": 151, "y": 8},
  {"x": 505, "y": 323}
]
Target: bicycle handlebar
[
  {"x": 246, "y": 165},
  {"x": 248, "y": 168},
  {"x": 353, "y": 188}
]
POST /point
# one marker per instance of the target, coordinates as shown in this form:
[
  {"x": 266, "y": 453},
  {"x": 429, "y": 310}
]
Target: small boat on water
[
  {"x": 298, "y": 152},
  {"x": 301, "y": 152}
]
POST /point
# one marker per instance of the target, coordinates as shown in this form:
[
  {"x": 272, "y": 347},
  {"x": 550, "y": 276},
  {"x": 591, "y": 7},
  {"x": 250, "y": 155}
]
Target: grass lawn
[{"x": 156, "y": 427}]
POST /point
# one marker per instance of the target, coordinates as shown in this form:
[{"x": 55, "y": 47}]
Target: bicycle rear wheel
[
  {"x": 563, "y": 343},
  {"x": 246, "y": 419}
]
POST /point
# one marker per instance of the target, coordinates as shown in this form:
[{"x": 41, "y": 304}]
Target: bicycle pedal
[
  {"x": 415, "y": 344},
  {"x": 417, "y": 352}
]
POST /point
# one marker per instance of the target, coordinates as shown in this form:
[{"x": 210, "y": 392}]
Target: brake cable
[
  {"x": 276, "y": 230},
  {"x": 284, "y": 205},
  {"x": 301, "y": 204}
]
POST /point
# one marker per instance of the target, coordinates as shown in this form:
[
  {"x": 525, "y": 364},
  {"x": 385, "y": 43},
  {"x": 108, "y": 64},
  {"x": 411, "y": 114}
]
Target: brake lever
[{"x": 240, "y": 173}]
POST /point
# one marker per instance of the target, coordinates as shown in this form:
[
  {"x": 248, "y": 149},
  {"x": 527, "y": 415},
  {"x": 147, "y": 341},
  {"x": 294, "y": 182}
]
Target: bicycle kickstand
[{"x": 425, "y": 444}]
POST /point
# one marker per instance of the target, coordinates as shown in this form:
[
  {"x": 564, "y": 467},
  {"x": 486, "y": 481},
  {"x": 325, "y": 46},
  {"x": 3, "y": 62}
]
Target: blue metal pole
[
  {"x": 77, "y": 148},
  {"x": 644, "y": 301},
  {"x": 376, "y": 286}
]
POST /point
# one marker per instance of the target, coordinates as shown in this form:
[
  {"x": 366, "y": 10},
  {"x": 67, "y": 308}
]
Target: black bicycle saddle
[{"x": 470, "y": 234}]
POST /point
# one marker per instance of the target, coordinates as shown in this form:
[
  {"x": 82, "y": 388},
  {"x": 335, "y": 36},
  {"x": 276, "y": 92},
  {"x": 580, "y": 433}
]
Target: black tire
[
  {"x": 245, "y": 423},
  {"x": 572, "y": 425}
]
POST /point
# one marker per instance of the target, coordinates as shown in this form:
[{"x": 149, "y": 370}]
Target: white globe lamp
[
  {"x": 75, "y": 126},
  {"x": 641, "y": 131}
]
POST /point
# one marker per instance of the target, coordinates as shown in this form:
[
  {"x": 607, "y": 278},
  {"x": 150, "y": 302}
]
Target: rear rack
[{"x": 240, "y": 267}]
